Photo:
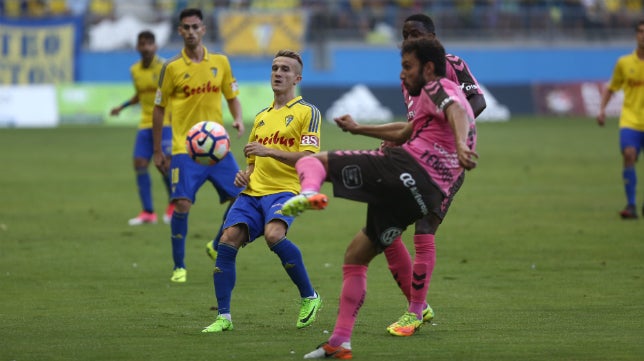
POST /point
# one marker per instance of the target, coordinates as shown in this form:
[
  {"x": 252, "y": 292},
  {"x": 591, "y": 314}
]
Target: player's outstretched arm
[
  {"x": 397, "y": 132},
  {"x": 133, "y": 100}
]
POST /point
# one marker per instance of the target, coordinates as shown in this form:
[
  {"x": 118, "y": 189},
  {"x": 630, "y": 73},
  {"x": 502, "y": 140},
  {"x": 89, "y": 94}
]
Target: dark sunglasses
[{"x": 188, "y": 26}]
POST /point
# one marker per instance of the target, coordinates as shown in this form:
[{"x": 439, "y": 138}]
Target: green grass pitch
[{"x": 533, "y": 261}]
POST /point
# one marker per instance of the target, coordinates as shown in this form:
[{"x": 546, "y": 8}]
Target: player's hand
[
  {"x": 242, "y": 178},
  {"x": 115, "y": 111},
  {"x": 256, "y": 149},
  {"x": 161, "y": 161},
  {"x": 387, "y": 144},
  {"x": 466, "y": 157},
  {"x": 346, "y": 123},
  {"x": 601, "y": 118},
  {"x": 239, "y": 125}
]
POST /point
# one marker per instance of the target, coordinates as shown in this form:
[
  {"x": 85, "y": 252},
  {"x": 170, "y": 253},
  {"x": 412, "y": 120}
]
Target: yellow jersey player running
[
  {"x": 282, "y": 133},
  {"x": 194, "y": 82},
  {"x": 145, "y": 76},
  {"x": 628, "y": 75}
]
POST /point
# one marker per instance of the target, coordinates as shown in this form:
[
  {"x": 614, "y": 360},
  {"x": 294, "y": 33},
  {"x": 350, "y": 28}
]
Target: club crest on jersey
[
  {"x": 186, "y": 75},
  {"x": 288, "y": 120},
  {"x": 214, "y": 71},
  {"x": 261, "y": 123}
]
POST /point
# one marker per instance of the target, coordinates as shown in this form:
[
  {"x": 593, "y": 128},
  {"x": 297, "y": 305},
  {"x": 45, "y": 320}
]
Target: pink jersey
[
  {"x": 456, "y": 70},
  {"x": 432, "y": 142}
]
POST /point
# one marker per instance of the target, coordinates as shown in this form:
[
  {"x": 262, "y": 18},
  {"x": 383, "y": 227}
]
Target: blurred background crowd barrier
[
  {"x": 373, "y": 21},
  {"x": 532, "y": 56}
]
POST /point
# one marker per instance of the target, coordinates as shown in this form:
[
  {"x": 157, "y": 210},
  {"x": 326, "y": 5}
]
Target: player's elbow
[{"x": 478, "y": 104}]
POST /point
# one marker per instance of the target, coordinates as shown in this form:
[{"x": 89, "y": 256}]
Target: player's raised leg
[{"x": 312, "y": 173}]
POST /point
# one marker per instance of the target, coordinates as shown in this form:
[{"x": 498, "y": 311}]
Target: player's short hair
[
  {"x": 146, "y": 35},
  {"x": 638, "y": 24},
  {"x": 191, "y": 12},
  {"x": 426, "y": 50},
  {"x": 290, "y": 54},
  {"x": 427, "y": 22}
]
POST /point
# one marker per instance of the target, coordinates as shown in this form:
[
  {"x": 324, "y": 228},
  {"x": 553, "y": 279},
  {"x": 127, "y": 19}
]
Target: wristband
[{"x": 126, "y": 104}]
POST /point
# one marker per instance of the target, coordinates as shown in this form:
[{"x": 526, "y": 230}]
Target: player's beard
[{"x": 417, "y": 85}]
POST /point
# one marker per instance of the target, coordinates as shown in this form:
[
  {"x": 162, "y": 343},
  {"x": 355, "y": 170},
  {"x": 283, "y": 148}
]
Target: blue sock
[
  {"x": 179, "y": 229},
  {"x": 145, "y": 189},
  {"x": 630, "y": 183},
  {"x": 215, "y": 241},
  {"x": 224, "y": 276},
  {"x": 292, "y": 262}
]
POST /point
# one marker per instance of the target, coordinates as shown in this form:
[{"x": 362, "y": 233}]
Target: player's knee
[
  {"x": 630, "y": 156},
  {"x": 273, "y": 237},
  {"x": 140, "y": 163},
  {"x": 182, "y": 205},
  {"x": 233, "y": 236},
  {"x": 427, "y": 225},
  {"x": 274, "y": 232},
  {"x": 360, "y": 251}
]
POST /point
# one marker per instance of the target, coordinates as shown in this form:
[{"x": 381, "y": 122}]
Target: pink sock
[
  {"x": 354, "y": 290},
  {"x": 424, "y": 262},
  {"x": 399, "y": 262},
  {"x": 311, "y": 172}
]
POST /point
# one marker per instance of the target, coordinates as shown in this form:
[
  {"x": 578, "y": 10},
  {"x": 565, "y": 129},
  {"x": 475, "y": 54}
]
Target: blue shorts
[
  {"x": 631, "y": 138},
  {"x": 143, "y": 145},
  {"x": 187, "y": 176},
  {"x": 256, "y": 212}
]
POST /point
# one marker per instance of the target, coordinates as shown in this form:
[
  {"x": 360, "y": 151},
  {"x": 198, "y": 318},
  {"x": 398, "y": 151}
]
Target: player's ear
[{"x": 428, "y": 71}]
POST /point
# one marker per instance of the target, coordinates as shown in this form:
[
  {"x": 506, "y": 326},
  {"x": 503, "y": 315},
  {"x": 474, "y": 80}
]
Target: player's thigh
[
  {"x": 361, "y": 250},
  {"x": 276, "y": 223},
  {"x": 186, "y": 177},
  {"x": 222, "y": 177},
  {"x": 246, "y": 212},
  {"x": 143, "y": 145},
  {"x": 360, "y": 176}
]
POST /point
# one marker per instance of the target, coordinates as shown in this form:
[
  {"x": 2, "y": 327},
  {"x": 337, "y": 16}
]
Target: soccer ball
[{"x": 207, "y": 142}]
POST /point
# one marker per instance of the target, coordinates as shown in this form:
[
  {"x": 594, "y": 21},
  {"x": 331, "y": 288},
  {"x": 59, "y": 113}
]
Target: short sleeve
[
  {"x": 164, "y": 91},
  {"x": 229, "y": 83}
]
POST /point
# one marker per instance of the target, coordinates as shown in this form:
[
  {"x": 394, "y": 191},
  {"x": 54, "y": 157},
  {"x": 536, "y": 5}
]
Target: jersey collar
[
  {"x": 154, "y": 60},
  {"x": 187, "y": 59},
  {"x": 289, "y": 104}
]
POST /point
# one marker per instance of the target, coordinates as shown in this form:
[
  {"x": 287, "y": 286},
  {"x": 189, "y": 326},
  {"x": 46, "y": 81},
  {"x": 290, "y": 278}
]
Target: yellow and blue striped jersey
[
  {"x": 628, "y": 75},
  {"x": 195, "y": 91},
  {"x": 292, "y": 128},
  {"x": 145, "y": 82}
]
